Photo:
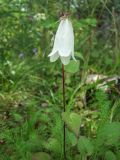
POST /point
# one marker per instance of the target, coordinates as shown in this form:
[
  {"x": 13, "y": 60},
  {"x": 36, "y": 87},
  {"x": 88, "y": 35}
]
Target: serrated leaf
[{"x": 72, "y": 67}]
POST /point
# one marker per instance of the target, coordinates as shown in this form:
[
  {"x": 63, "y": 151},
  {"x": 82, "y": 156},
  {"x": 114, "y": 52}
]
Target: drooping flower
[{"x": 64, "y": 43}]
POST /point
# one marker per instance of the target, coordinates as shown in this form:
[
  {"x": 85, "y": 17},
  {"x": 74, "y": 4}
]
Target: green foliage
[
  {"x": 110, "y": 156},
  {"x": 85, "y": 146},
  {"x": 73, "y": 122},
  {"x": 109, "y": 134},
  {"x": 31, "y": 124},
  {"x": 41, "y": 156},
  {"x": 54, "y": 143},
  {"x": 72, "y": 67},
  {"x": 103, "y": 103}
]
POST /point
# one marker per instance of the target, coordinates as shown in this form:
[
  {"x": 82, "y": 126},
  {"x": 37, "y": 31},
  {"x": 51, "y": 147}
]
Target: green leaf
[
  {"x": 41, "y": 156},
  {"x": 109, "y": 134},
  {"x": 73, "y": 121},
  {"x": 85, "y": 146},
  {"x": 17, "y": 117},
  {"x": 109, "y": 155},
  {"x": 72, "y": 67},
  {"x": 54, "y": 145},
  {"x": 72, "y": 138},
  {"x": 118, "y": 155},
  {"x": 91, "y": 21},
  {"x": 79, "y": 55}
]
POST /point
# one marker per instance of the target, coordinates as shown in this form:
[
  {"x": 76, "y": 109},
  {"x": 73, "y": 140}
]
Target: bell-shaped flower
[{"x": 64, "y": 43}]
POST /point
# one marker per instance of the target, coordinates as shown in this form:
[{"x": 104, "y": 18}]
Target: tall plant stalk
[{"x": 64, "y": 109}]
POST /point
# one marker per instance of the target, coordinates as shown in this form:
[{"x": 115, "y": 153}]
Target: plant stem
[{"x": 64, "y": 108}]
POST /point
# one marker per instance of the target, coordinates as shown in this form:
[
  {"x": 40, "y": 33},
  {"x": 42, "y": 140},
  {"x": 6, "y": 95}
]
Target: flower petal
[
  {"x": 53, "y": 57},
  {"x": 64, "y": 43},
  {"x": 73, "y": 56},
  {"x": 64, "y": 38},
  {"x": 65, "y": 60}
]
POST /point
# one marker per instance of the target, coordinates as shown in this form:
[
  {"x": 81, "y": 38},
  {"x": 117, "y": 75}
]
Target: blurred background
[{"x": 30, "y": 86}]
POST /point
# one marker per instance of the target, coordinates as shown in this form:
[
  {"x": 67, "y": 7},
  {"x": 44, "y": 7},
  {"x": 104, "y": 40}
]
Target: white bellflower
[{"x": 64, "y": 43}]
